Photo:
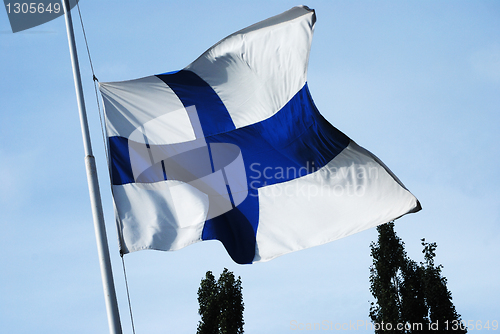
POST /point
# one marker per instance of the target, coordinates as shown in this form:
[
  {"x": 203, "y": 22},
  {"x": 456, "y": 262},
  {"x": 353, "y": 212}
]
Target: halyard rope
[{"x": 94, "y": 78}]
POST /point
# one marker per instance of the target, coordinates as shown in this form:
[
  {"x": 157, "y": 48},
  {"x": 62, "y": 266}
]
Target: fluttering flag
[{"x": 233, "y": 148}]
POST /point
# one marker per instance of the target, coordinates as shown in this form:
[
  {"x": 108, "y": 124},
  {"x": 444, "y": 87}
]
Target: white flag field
[{"x": 233, "y": 148}]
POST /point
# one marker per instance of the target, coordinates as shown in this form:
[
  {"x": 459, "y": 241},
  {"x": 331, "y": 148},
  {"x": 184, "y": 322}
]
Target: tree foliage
[
  {"x": 209, "y": 305},
  {"x": 221, "y": 304},
  {"x": 388, "y": 257},
  {"x": 406, "y": 292},
  {"x": 438, "y": 296}
]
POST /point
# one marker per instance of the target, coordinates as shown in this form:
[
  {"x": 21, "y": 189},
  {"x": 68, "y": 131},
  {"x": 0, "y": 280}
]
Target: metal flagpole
[{"x": 95, "y": 197}]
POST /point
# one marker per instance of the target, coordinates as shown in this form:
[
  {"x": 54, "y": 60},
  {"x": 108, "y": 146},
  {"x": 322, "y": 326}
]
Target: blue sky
[{"x": 416, "y": 83}]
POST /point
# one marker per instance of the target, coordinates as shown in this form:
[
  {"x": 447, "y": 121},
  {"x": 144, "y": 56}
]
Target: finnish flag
[{"x": 233, "y": 148}]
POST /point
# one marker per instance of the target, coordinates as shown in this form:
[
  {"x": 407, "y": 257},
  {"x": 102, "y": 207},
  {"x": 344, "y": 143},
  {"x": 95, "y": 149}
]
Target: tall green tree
[
  {"x": 209, "y": 305},
  {"x": 438, "y": 297},
  {"x": 408, "y": 293},
  {"x": 413, "y": 308},
  {"x": 385, "y": 276},
  {"x": 221, "y": 304},
  {"x": 231, "y": 303}
]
